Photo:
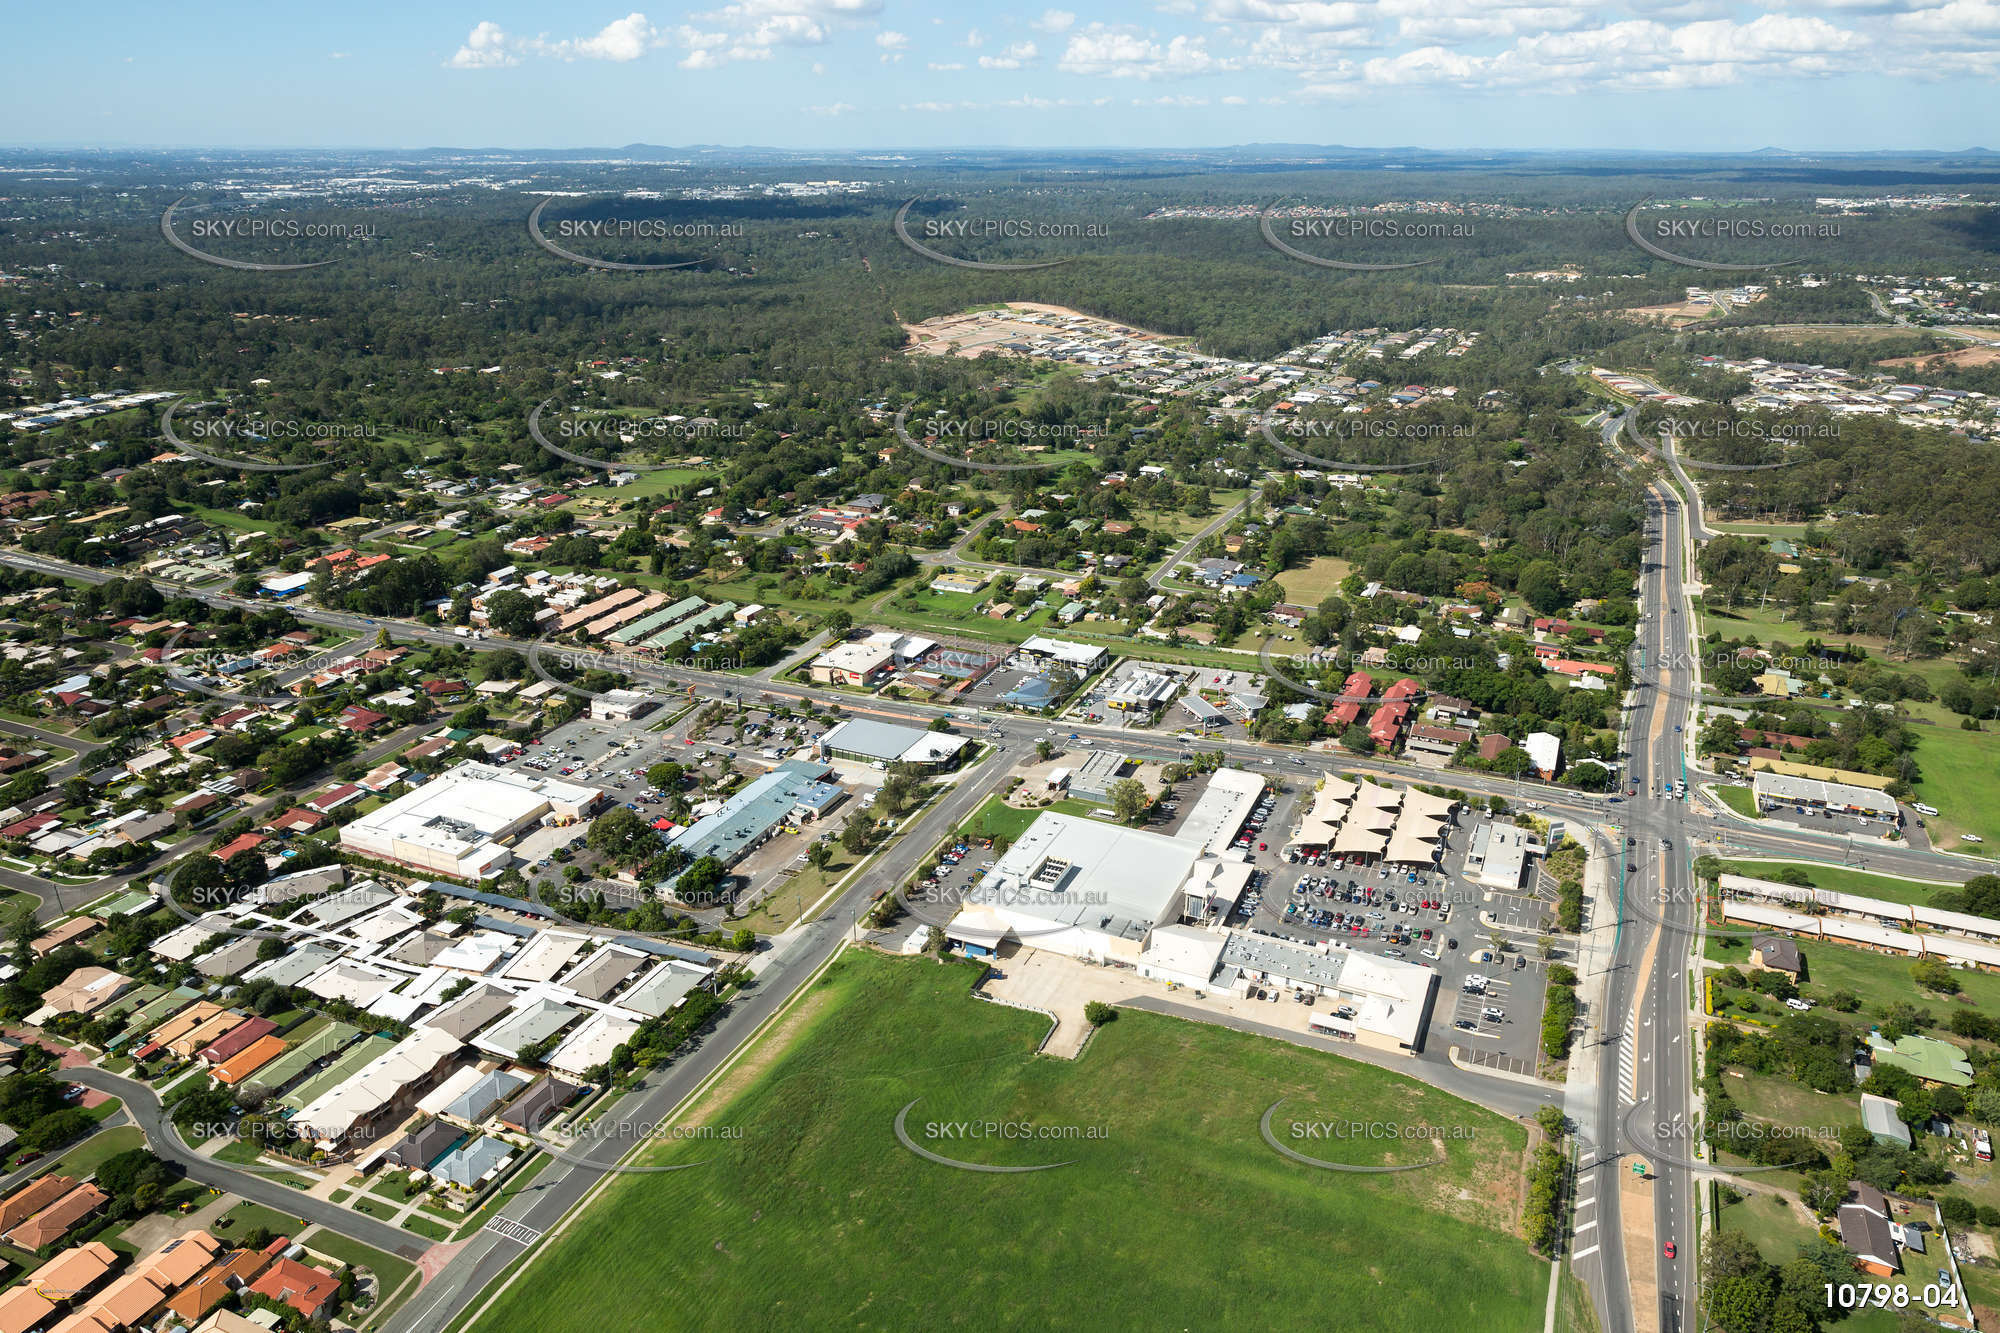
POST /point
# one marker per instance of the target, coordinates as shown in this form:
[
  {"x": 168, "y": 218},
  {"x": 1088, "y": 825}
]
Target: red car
[
  {"x": 1263, "y": 846},
  {"x": 1669, "y": 1251}
]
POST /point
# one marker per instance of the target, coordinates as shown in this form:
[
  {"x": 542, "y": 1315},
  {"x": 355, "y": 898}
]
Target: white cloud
[
  {"x": 1014, "y": 57},
  {"x": 623, "y": 40},
  {"x": 487, "y": 47},
  {"x": 1125, "y": 52},
  {"x": 1957, "y": 19},
  {"x": 946, "y": 67},
  {"x": 892, "y": 41},
  {"x": 1298, "y": 15},
  {"x": 1054, "y": 21},
  {"x": 834, "y": 109},
  {"x": 1635, "y": 53}
]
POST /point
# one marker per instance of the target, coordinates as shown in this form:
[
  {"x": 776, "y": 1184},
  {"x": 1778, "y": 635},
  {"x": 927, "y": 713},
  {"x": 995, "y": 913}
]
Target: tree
[
  {"x": 511, "y": 612},
  {"x": 837, "y": 623},
  {"x": 1541, "y": 586},
  {"x": 1043, "y": 750},
  {"x": 620, "y": 834},
  {"x": 1933, "y": 974},
  {"x": 1129, "y": 800},
  {"x": 1097, "y": 1013},
  {"x": 699, "y": 881},
  {"x": 860, "y": 828}
]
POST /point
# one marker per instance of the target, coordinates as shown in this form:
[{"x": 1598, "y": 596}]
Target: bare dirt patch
[
  {"x": 1678, "y": 315},
  {"x": 1965, "y": 358}
]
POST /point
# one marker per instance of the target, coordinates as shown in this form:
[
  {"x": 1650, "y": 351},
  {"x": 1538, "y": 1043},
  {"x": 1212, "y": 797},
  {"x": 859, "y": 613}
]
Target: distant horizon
[
  {"x": 857, "y": 76},
  {"x": 932, "y": 150}
]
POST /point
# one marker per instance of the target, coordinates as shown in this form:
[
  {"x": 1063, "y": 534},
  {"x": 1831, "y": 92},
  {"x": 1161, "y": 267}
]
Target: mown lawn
[
  {"x": 95, "y": 1151},
  {"x": 1740, "y": 799},
  {"x": 997, "y": 819},
  {"x": 1316, "y": 580},
  {"x": 1842, "y": 879},
  {"x": 1961, "y": 777},
  {"x": 816, "y": 1217}
]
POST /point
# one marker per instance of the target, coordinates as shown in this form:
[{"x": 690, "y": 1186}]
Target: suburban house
[
  {"x": 1866, "y": 1232},
  {"x": 1777, "y": 953}
]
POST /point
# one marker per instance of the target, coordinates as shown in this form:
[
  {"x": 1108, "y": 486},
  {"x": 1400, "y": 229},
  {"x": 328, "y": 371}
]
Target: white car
[
  {"x": 1923, "y": 809},
  {"x": 1970, "y": 837}
]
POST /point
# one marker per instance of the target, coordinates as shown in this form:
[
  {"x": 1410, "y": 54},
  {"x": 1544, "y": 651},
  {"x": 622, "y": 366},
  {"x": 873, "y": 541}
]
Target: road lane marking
[{"x": 512, "y": 1230}]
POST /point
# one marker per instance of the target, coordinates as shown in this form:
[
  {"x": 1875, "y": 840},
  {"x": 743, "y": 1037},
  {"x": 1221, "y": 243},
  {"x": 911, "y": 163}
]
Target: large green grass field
[
  {"x": 1176, "y": 1214},
  {"x": 1843, "y": 879},
  {"x": 1961, "y": 777}
]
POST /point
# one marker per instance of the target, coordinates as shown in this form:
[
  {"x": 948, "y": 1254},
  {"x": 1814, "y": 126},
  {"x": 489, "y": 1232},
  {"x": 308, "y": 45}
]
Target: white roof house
[
  {"x": 377, "y": 1086},
  {"x": 593, "y": 1043},
  {"x": 1544, "y": 751}
]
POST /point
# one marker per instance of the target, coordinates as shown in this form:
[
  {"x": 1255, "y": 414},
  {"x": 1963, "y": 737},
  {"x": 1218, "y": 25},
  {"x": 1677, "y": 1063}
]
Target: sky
[{"x": 1685, "y": 75}]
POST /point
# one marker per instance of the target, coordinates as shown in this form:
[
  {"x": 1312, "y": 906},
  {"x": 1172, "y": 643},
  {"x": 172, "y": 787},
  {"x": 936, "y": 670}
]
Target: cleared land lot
[
  {"x": 1311, "y": 583},
  {"x": 816, "y": 1217}
]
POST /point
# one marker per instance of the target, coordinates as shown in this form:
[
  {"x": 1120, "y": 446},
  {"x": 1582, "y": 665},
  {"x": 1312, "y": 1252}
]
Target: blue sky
[{"x": 1694, "y": 75}]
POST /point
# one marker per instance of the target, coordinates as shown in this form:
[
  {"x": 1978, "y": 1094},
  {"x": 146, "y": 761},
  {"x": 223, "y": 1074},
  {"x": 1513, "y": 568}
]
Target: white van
[{"x": 1923, "y": 809}]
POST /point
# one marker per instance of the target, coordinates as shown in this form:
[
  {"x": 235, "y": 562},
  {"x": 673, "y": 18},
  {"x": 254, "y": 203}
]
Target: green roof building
[{"x": 1927, "y": 1058}]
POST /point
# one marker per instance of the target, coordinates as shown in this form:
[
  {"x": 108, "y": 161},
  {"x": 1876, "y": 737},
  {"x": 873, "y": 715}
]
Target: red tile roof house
[
  {"x": 1387, "y": 724},
  {"x": 356, "y": 718},
  {"x": 335, "y": 797},
  {"x": 445, "y": 689},
  {"x": 29, "y": 827},
  {"x": 313, "y": 1292},
  {"x": 235, "y": 1041},
  {"x": 1352, "y": 693},
  {"x": 249, "y": 842},
  {"x": 1492, "y": 747},
  {"x": 1562, "y": 628},
  {"x": 59, "y": 1219},
  {"x": 31, "y": 1198},
  {"x": 297, "y": 820}
]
